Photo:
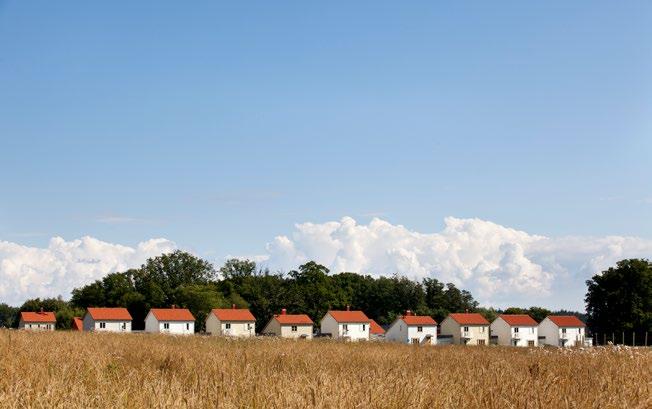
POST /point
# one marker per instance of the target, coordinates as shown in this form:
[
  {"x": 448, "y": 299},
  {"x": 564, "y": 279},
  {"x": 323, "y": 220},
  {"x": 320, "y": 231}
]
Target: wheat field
[{"x": 91, "y": 370}]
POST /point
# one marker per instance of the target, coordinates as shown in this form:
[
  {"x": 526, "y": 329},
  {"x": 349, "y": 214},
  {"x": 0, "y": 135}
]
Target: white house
[
  {"x": 231, "y": 322},
  {"x": 346, "y": 325},
  {"x": 515, "y": 330},
  {"x": 562, "y": 330},
  {"x": 42, "y": 320},
  {"x": 107, "y": 319},
  {"x": 376, "y": 332},
  {"x": 466, "y": 328},
  {"x": 413, "y": 329},
  {"x": 289, "y": 325},
  {"x": 170, "y": 321}
]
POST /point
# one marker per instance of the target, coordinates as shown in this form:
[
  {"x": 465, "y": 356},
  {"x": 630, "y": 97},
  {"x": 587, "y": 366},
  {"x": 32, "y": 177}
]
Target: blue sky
[{"x": 219, "y": 126}]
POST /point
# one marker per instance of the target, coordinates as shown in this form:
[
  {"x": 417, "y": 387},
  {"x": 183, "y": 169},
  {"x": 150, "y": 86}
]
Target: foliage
[
  {"x": 63, "y": 310},
  {"x": 620, "y": 298},
  {"x": 8, "y": 316}
]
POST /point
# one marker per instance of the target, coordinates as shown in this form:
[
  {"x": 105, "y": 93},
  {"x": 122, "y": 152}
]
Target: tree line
[{"x": 182, "y": 279}]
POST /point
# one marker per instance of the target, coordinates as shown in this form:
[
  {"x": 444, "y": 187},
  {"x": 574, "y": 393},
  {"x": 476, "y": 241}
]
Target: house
[
  {"x": 346, "y": 325},
  {"x": 42, "y": 320},
  {"x": 289, "y": 325},
  {"x": 170, "y": 321},
  {"x": 562, "y": 330},
  {"x": 466, "y": 328},
  {"x": 231, "y": 322},
  {"x": 413, "y": 329},
  {"x": 376, "y": 332},
  {"x": 77, "y": 324},
  {"x": 515, "y": 330},
  {"x": 107, "y": 319}
]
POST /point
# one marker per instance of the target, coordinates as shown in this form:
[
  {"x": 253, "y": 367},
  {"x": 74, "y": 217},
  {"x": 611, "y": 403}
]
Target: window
[
  {"x": 415, "y": 341},
  {"x": 166, "y": 325},
  {"x": 345, "y": 327},
  {"x": 419, "y": 329},
  {"x": 563, "y": 330},
  {"x": 516, "y": 330},
  {"x": 466, "y": 329},
  {"x": 187, "y": 326},
  {"x": 249, "y": 327},
  {"x": 124, "y": 325},
  {"x": 364, "y": 327},
  {"x": 481, "y": 329},
  {"x": 294, "y": 328},
  {"x": 102, "y": 325},
  {"x": 530, "y": 343},
  {"x": 227, "y": 325},
  {"x": 481, "y": 342}
]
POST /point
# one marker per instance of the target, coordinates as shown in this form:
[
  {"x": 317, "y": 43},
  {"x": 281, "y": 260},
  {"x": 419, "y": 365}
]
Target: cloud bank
[
  {"x": 28, "y": 272},
  {"x": 501, "y": 266}
]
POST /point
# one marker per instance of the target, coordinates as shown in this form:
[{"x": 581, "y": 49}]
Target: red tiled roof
[
  {"x": 293, "y": 319},
  {"x": 375, "y": 329},
  {"x": 465, "y": 318},
  {"x": 566, "y": 321},
  {"x": 349, "y": 316},
  {"x": 45, "y": 316},
  {"x": 233, "y": 314},
  {"x": 172, "y": 314},
  {"x": 110, "y": 314},
  {"x": 523, "y": 320},
  {"x": 77, "y": 324},
  {"x": 418, "y": 320}
]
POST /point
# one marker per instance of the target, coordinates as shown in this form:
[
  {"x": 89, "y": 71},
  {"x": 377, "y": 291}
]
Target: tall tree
[
  {"x": 8, "y": 316},
  {"x": 620, "y": 298}
]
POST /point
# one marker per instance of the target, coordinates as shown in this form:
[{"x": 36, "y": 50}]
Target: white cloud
[
  {"x": 27, "y": 272},
  {"x": 500, "y": 265}
]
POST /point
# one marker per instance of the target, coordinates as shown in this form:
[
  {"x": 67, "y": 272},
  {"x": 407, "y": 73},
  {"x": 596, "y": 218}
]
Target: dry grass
[{"x": 83, "y": 370}]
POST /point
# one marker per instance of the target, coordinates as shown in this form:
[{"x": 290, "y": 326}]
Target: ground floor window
[
  {"x": 481, "y": 342},
  {"x": 294, "y": 328}
]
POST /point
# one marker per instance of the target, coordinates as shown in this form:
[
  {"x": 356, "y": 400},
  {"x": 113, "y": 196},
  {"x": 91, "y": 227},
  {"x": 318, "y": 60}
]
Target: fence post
[
  {"x": 623, "y": 337},
  {"x": 633, "y": 338},
  {"x": 645, "y": 338},
  {"x": 613, "y": 338}
]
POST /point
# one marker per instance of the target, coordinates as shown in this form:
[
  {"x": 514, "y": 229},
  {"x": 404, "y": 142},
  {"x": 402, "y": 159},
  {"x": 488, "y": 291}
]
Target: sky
[{"x": 504, "y": 147}]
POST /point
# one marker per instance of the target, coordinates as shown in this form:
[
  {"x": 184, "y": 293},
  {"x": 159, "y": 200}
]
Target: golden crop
[{"x": 90, "y": 370}]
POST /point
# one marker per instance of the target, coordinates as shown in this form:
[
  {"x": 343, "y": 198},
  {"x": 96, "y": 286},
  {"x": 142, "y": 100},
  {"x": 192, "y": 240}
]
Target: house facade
[
  {"x": 170, "y": 321},
  {"x": 562, "y": 331},
  {"x": 231, "y": 322},
  {"x": 515, "y": 330},
  {"x": 346, "y": 325},
  {"x": 37, "y": 321},
  {"x": 466, "y": 328},
  {"x": 107, "y": 320},
  {"x": 289, "y": 325},
  {"x": 413, "y": 329}
]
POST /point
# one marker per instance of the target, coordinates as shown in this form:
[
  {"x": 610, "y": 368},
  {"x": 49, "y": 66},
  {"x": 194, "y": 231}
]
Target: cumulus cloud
[
  {"x": 500, "y": 265},
  {"x": 27, "y": 272}
]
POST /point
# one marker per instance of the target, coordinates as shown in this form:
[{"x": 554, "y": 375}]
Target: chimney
[
  {"x": 466, "y": 310},
  {"x": 174, "y": 306},
  {"x": 233, "y": 306},
  {"x": 284, "y": 311},
  {"x": 408, "y": 313},
  {"x": 41, "y": 310},
  {"x": 348, "y": 308}
]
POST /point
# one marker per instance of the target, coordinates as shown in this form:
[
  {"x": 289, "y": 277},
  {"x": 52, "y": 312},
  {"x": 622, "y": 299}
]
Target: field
[{"x": 83, "y": 370}]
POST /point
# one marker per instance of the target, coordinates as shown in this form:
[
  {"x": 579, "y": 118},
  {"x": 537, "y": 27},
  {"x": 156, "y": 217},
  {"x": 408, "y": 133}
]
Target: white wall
[
  {"x": 175, "y": 327},
  {"x": 110, "y": 326},
  {"x": 273, "y": 327},
  {"x": 475, "y": 333},
  {"x": 349, "y": 331},
  {"x": 36, "y": 326},
  {"x": 237, "y": 329},
  {"x": 555, "y": 335},
  {"x": 507, "y": 335},
  {"x": 399, "y": 331}
]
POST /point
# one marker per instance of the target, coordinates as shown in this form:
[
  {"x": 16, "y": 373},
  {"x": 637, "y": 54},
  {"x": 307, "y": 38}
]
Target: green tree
[
  {"x": 8, "y": 316},
  {"x": 538, "y": 313},
  {"x": 620, "y": 298},
  {"x": 200, "y": 299}
]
